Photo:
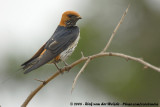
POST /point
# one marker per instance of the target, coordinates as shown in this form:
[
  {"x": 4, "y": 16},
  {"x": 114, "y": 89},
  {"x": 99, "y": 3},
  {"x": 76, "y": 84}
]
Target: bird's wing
[
  {"x": 55, "y": 45},
  {"x": 61, "y": 41},
  {"x": 37, "y": 54}
]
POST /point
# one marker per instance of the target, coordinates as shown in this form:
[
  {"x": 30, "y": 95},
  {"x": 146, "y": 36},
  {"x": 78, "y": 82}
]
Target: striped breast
[{"x": 64, "y": 55}]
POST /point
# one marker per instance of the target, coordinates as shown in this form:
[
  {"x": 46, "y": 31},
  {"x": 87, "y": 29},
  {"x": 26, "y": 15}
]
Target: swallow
[{"x": 60, "y": 45}]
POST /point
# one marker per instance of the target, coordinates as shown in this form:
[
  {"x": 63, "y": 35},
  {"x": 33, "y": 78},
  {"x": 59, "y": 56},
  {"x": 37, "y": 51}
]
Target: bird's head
[{"x": 69, "y": 18}]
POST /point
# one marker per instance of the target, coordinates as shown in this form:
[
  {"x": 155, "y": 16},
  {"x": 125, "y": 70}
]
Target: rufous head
[{"x": 69, "y": 18}]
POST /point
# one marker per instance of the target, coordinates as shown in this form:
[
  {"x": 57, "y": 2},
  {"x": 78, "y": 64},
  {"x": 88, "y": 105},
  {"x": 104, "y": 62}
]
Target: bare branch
[
  {"x": 82, "y": 54},
  {"x": 115, "y": 30},
  {"x": 84, "y": 59},
  {"x": 106, "y": 47},
  {"x": 140, "y": 60},
  {"x": 38, "y": 88},
  {"x": 67, "y": 68},
  {"x": 79, "y": 73}
]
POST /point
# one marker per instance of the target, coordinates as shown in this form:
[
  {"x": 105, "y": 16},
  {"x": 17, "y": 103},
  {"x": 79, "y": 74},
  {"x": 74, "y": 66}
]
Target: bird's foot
[
  {"x": 66, "y": 65},
  {"x": 59, "y": 69}
]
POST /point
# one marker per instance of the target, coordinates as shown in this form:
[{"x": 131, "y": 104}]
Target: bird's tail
[
  {"x": 39, "y": 61},
  {"x": 30, "y": 64}
]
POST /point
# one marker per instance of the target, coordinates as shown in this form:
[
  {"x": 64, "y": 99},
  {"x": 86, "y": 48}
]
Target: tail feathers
[
  {"x": 30, "y": 64},
  {"x": 36, "y": 63},
  {"x": 33, "y": 67}
]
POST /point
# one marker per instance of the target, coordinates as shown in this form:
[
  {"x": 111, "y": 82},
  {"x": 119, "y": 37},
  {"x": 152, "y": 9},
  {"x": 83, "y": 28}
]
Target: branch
[
  {"x": 106, "y": 47},
  {"x": 67, "y": 68},
  {"x": 115, "y": 30},
  {"x": 88, "y": 59},
  {"x": 79, "y": 73},
  {"x": 140, "y": 60}
]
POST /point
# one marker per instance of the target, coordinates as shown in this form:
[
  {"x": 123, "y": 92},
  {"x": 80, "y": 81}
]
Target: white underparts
[{"x": 69, "y": 50}]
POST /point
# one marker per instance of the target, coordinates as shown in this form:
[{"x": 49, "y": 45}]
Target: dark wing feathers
[
  {"x": 60, "y": 40},
  {"x": 63, "y": 38},
  {"x": 46, "y": 57},
  {"x": 35, "y": 55}
]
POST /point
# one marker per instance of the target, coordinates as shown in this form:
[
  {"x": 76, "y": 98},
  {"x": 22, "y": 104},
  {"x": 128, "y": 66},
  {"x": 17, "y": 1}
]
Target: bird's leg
[
  {"x": 58, "y": 68},
  {"x": 65, "y": 64}
]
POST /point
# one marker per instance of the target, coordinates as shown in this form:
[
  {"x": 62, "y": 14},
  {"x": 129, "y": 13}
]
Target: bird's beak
[{"x": 79, "y": 17}]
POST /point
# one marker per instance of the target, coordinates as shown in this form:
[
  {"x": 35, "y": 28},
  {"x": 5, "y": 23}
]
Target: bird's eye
[{"x": 70, "y": 15}]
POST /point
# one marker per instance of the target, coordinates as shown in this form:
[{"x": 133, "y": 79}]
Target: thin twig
[
  {"x": 82, "y": 54},
  {"x": 115, "y": 30},
  {"x": 32, "y": 94},
  {"x": 79, "y": 73},
  {"x": 106, "y": 47},
  {"x": 140, "y": 60}
]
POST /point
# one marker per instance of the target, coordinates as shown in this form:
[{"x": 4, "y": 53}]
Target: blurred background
[{"x": 25, "y": 25}]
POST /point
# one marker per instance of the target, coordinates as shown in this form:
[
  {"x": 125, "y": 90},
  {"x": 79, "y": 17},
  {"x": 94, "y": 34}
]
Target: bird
[{"x": 60, "y": 45}]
